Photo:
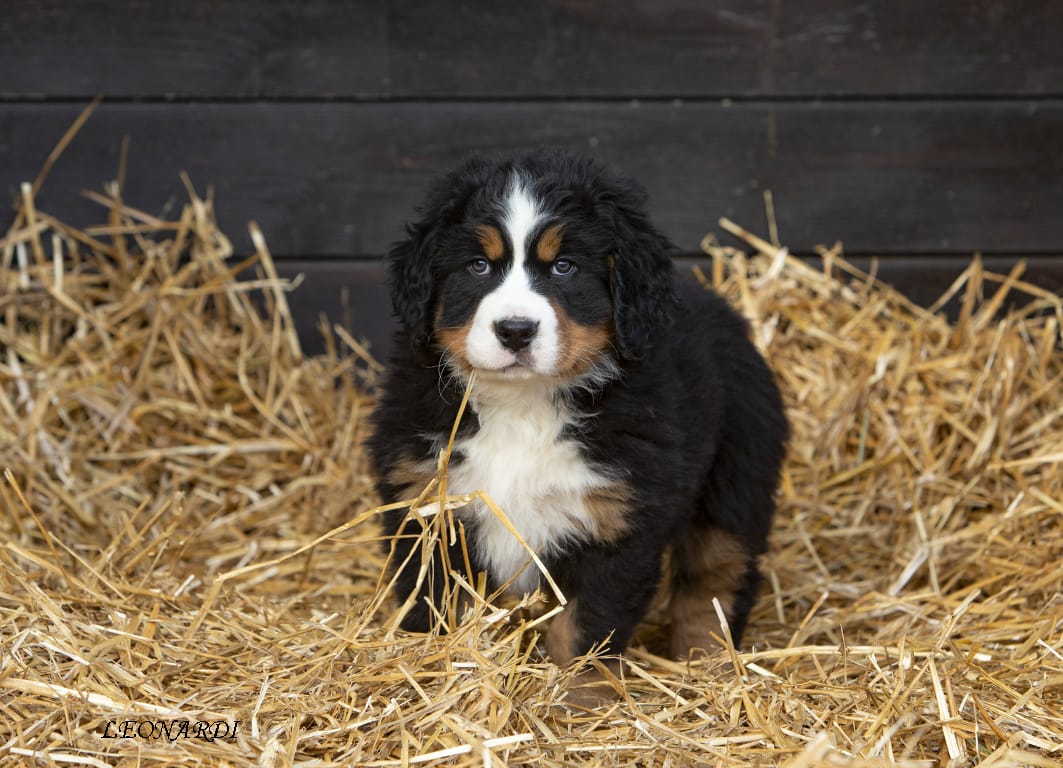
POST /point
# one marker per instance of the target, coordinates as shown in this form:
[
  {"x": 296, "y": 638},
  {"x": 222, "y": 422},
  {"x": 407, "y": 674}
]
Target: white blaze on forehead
[
  {"x": 515, "y": 296},
  {"x": 522, "y": 213}
]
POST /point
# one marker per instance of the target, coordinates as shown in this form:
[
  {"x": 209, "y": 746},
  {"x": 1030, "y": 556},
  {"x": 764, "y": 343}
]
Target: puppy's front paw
[{"x": 594, "y": 688}]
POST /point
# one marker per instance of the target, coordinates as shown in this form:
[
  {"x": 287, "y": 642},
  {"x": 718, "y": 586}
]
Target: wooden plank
[
  {"x": 354, "y": 293},
  {"x": 403, "y": 49},
  {"x": 351, "y": 293},
  {"x": 195, "y": 49},
  {"x": 340, "y": 179}
]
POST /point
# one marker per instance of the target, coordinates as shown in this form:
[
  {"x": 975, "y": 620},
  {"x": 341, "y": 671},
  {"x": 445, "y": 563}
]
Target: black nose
[{"x": 516, "y": 332}]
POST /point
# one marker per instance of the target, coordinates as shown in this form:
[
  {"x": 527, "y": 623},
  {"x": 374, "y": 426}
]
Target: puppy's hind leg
[
  {"x": 708, "y": 563},
  {"x": 717, "y": 555}
]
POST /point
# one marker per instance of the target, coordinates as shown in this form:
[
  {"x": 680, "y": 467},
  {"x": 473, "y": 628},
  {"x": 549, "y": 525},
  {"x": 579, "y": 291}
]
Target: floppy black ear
[
  {"x": 410, "y": 274},
  {"x": 410, "y": 271},
  {"x": 643, "y": 290}
]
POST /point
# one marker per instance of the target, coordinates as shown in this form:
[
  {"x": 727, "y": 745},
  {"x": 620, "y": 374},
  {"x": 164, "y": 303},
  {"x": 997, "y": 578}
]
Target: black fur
[
  {"x": 411, "y": 268},
  {"x": 691, "y": 418}
]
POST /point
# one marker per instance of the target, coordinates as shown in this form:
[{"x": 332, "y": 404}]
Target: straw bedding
[{"x": 188, "y": 533}]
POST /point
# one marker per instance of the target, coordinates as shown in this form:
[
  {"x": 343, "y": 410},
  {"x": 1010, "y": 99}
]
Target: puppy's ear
[
  {"x": 410, "y": 273},
  {"x": 411, "y": 267},
  {"x": 642, "y": 278}
]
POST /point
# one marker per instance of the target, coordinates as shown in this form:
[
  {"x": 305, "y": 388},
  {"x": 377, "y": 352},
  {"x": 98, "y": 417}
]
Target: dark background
[{"x": 918, "y": 132}]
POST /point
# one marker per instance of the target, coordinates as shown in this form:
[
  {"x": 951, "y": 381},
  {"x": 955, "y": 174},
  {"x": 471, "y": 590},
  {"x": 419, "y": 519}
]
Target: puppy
[{"x": 618, "y": 410}]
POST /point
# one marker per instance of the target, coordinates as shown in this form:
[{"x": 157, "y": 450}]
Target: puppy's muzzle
[{"x": 516, "y": 333}]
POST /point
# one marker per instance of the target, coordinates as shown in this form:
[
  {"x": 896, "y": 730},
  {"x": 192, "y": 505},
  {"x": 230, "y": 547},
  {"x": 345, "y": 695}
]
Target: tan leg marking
[
  {"x": 410, "y": 476},
  {"x": 562, "y": 637},
  {"x": 608, "y": 509},
  {"x": 713, "y": 564},
  {"x": 589, "y": 688}
]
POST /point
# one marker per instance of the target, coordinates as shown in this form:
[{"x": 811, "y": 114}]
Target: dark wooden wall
[{"x": 918, "y": 132}]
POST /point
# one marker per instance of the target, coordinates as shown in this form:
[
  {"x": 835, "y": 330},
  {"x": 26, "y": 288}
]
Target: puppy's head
[{"x": 543, "y": 265}]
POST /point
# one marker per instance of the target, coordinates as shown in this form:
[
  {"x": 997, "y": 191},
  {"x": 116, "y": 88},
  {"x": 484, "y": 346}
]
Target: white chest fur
[{"x": 533, "y": 473}]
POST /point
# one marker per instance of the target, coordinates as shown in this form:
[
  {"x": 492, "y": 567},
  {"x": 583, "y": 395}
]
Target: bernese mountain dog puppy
[{"x": 618, "y": 411}]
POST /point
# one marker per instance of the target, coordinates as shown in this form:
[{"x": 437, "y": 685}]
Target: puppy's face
[
  {"x": 523, "y": 290},
  {"x": 539, "y": 266}
]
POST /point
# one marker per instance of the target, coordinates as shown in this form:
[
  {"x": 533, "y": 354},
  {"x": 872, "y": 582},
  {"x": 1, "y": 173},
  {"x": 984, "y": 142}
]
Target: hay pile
[{"x": 188, "y": 537}]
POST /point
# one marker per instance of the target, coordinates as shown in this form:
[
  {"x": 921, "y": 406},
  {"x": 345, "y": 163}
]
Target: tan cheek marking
[
  {"x": 714, "y": 565},
  {"x": 608, "y": 508},
  {"x": 585, "y": 344},
  {"x": 453, "y": 340},
  {"x": 549, "y": 243},
  {"x": 491, "y": 241},
  {"x": 581, "y": 345}
]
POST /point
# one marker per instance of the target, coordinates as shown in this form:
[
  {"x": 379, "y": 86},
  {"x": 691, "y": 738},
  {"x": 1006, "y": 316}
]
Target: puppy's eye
[
  {"x": 562, "y": 268},
  {"x": 479, "y": 267}
]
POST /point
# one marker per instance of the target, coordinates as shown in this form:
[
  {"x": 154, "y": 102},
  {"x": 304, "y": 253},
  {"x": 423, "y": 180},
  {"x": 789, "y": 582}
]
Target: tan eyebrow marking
[
  {"x": 491, "y": 241},
  {"x": 549, "y": 243}
]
